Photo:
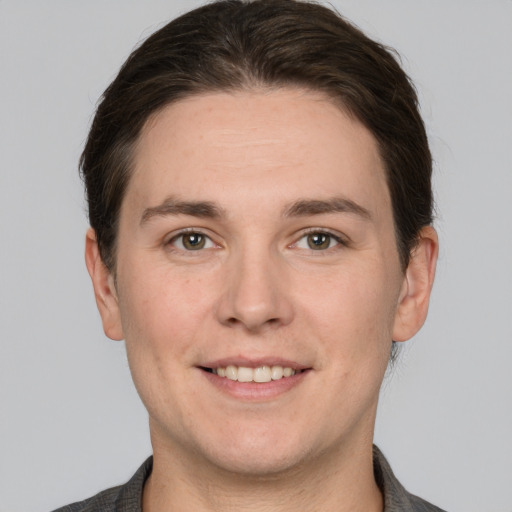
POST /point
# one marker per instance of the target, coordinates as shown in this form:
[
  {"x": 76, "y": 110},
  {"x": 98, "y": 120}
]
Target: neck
[{"x": 333, "y": 482}]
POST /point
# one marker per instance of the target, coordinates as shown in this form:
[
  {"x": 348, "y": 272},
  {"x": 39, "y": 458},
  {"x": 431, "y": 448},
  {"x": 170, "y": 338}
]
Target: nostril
[{"x": 253, "y": 324}]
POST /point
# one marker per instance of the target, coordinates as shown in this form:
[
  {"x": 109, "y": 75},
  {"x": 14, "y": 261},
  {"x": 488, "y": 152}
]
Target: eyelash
[
  {"x": 189, "y": 231},
  {"x": 209, "y": 243},
  {"x": 339, "y": 240}
]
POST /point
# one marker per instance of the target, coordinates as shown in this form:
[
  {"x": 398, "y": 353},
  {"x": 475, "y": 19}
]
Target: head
[
  {"x": 266, "y": 44},
  {"x": 259, "y": 194}
]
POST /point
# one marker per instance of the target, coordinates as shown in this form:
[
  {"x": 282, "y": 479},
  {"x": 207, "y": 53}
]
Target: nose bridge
[{"x": 255, "y": 294}]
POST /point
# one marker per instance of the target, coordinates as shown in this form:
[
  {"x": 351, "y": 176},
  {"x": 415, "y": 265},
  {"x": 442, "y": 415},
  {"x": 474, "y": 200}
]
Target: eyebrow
[
  {"x": 306, "y": 207},
  {"x": 300, "y": 208},
  {"x": 202, "y": 209}
]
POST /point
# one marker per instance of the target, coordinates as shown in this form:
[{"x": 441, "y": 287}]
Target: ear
[
  {"x": 104, "y": 288},
  {"x": 418, "y": 280}
]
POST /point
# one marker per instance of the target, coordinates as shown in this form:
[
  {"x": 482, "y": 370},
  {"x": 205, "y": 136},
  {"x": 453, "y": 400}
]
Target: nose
[{"x": 255, "y": 294}]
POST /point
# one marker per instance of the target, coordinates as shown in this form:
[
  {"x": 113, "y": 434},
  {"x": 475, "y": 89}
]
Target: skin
[{"x": 257, "y": 292}]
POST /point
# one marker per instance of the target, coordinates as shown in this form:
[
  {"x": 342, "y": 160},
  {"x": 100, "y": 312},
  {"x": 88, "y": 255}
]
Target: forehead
[{"x": 250, "y": 145}]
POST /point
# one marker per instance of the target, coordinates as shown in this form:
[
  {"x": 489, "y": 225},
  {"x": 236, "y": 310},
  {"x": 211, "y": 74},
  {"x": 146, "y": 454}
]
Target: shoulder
[
  {"x": 103, "y": 501},
  {"x": 123, "y": 498},
  {"x": 396, "y": 497},
  {"x": 416, "y": 504},
  {"x": 423, "y": 506}
]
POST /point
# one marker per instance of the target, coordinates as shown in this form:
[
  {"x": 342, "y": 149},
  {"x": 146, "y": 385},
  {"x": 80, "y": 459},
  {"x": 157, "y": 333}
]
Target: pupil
[
  {"x": 194, "y": 241},
  {"x": 318, "y": 241}
]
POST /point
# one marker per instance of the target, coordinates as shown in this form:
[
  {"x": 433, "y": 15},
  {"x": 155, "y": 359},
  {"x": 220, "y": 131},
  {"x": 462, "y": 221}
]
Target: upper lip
[{"x": 254, "y": 362}]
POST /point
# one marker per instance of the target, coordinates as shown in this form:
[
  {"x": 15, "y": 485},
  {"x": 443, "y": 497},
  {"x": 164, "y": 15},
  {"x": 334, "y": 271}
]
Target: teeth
[
  {"x": 277, "y": 372},
  {"x": 260, "y": 374},
  {"x": 288, "y": 372},
  {"x": 232, "y": 372},
  {"x": 245, "y": 374}
]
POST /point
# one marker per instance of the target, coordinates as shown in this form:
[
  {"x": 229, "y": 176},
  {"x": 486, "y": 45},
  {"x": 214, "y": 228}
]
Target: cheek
[
  {"x": 355, "y": 314},
  {"x": 163, "y": 320},
  {"x": 162, "y": 317},
  {"x": 159, "y": 303},
  {"x": 359, "y": 299}
]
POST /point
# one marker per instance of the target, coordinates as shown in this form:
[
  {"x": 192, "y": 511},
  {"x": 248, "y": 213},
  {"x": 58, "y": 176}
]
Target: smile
[{"x": 259, "y": 374}]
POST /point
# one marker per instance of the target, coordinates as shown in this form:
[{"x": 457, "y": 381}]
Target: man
[{"x": 258, "y": 179}]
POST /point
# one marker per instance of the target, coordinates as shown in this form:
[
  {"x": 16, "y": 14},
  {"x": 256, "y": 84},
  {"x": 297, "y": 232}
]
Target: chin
[
  {"x": 258, "y": 454},
  {"x": 256, "y": 464}
]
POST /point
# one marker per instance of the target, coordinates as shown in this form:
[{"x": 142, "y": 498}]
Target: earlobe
[
  {"x": 417, "y": 285},
  {"x": 104, "y": 288}
]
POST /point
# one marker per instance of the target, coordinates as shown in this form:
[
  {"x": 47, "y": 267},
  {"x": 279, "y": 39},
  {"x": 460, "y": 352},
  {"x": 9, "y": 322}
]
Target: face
[{"x": 258, "y": 281}]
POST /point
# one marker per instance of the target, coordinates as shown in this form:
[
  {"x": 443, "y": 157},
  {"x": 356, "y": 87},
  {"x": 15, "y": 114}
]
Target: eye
[
  {"x": 318, "y": 241},
  {"x": 191, "y": 241}
]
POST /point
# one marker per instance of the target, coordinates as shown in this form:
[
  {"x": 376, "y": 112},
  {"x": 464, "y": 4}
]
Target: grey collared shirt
[{"x": 128, "y": 497}]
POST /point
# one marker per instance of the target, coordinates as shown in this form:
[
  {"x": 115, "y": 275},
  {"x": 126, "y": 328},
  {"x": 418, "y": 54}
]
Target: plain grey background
[{"x": 70, "y": 421}]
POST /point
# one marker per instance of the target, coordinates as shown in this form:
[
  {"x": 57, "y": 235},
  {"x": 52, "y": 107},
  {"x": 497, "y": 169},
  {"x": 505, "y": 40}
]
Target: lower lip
[{"x": 255, "y": 391}]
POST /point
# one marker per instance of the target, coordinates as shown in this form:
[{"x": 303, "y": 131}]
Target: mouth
[{"x": 260, "y": 374}]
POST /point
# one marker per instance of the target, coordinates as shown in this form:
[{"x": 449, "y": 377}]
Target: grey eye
[
  {"x": 192, "y": 241},
  {"x": 317, "y": 241}
]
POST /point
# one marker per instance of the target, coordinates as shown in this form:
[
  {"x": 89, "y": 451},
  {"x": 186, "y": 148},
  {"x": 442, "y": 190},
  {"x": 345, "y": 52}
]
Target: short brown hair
[{"x": 238, "y": 45}]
